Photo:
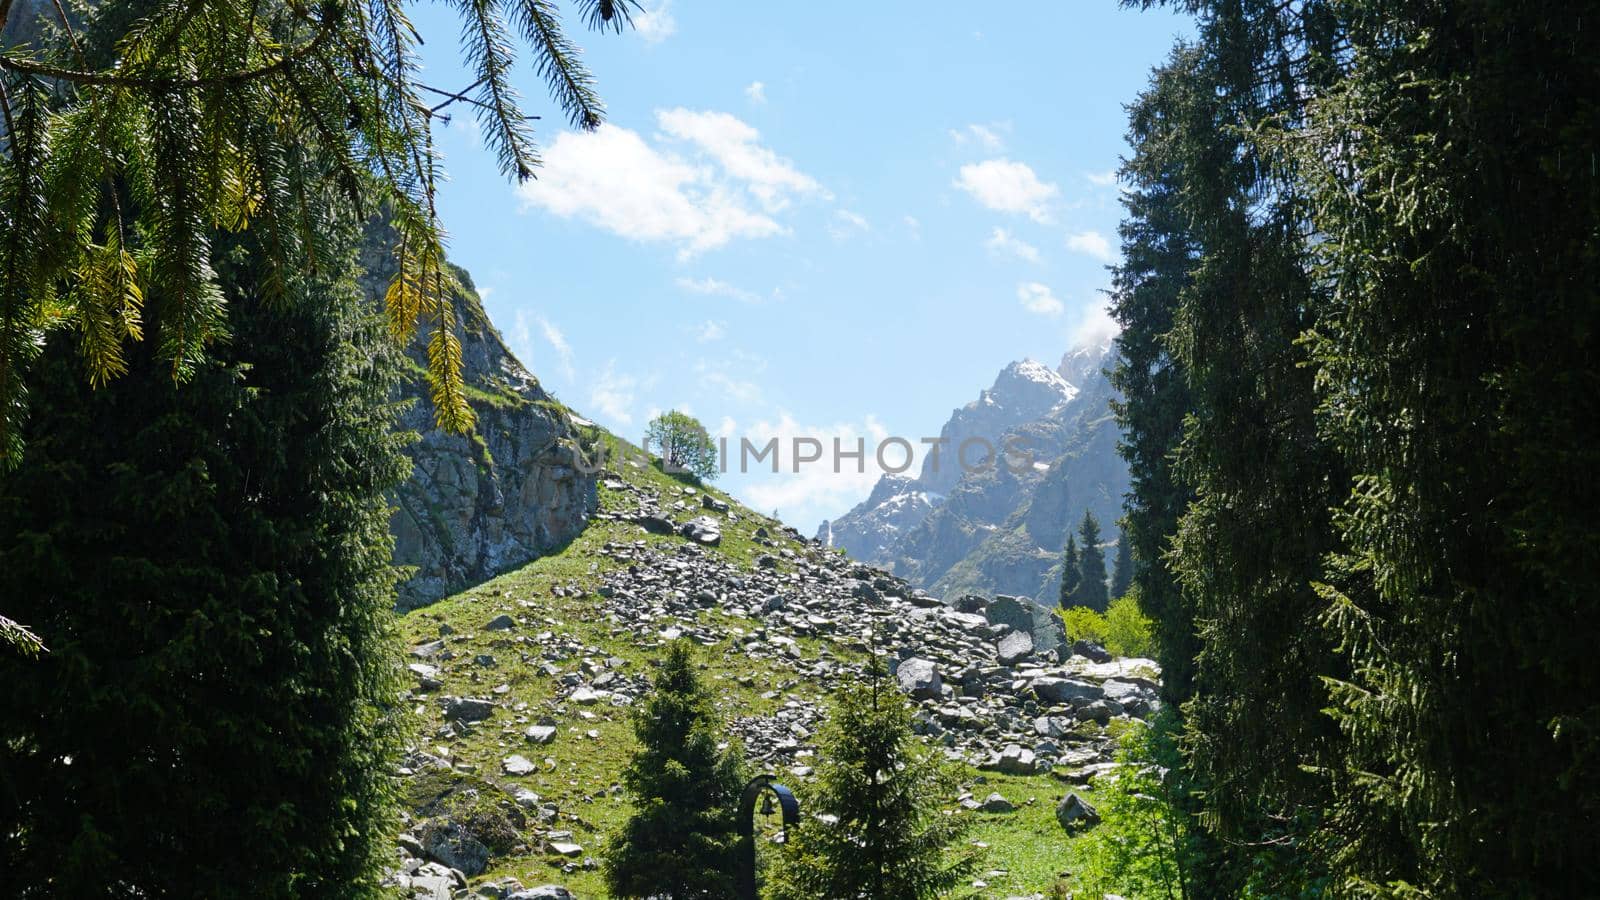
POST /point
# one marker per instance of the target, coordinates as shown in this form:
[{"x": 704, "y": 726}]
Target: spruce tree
[
  {"x": 1458, "y": 377},
  {"x": 875, "y": 826},
  {"x": 1069, "y": 571},
  {"x": 1091, "y": 582},
  {"x": 1159, "y": 247},
  {"x": 1122, "y": 570},
  {"x": 130, "y": 142},
  {"x": 209, "y": 566},
  {"x": 680, "y": 841}
]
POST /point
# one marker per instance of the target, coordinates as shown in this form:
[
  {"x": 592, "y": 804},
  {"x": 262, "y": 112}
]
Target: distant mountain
[{"x": 1000, "y": 528}]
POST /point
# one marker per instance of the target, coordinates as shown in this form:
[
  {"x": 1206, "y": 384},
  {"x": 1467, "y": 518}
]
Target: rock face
[
  {"x": 479, "y": 504},
  {"x": 991, "y": 529}
]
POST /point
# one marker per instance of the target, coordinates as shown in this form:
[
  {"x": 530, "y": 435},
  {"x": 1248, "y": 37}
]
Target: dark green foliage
[
  {"x": 1146, "y": 844},
  {"x": 680, "y": 841},
  {"x": 1158, "y": 250},
  {"x": 210, "y": 569},
  {"x": 683, "y": 443},
  {"x": 1122, "y": 569},
  {"x": 1458, "y": 376},
  {"x": 889, "y": 836},
  {"x": 1089, "y": 588},
  {"x": 1362, "y": 274},
  {"x": 1070, "y": 573},
  {"x": 203, "y": 115}
]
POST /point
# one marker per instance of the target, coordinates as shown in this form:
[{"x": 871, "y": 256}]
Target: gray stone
[
  {"x": 1091, "y": 651},
  {"x": 1023, "y": 614},
  {"x": 702, "y": 530},
  {"x": 919, "y": 678},
  {"x": 996, "y": 803},
  {"x": 566, "y": 848},
  {"x": 1014, "y": 760},
  {"x": 1014, "y": 647},
  {"x": 1052, "y": 689},
  {"x": 517, "y": 764},
  {"x": 454, "y": 846},
  {"x": 653, "y": 523},
  {"x": 467, "y": 709},
  {"x": 543, "y": 892},
  {"x": 1074, "y": 812},
  {"x": 540, "y": 734},
  {"x": 501, "y": 622}
]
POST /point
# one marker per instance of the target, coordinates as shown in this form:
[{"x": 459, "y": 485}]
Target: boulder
[
  {"x": 995, "y": 803},
  {"x": 543, "y": 892},
  {"x": 653, "y": 523},
  {"x": 501, "y": 622},
  {"x": 517, "y": 764},
  {"x": 970, "y": 603},
  {"x": 540, "y": 734},
  {"x": 1014, "y": 647},
  {"x": 1014, "y": 760},
  {"x": 467, "y": 709},
  {"x": 454, "y": 846},
  {"x": 919, "y": 678},
  {"x": 1023, "y": 614},
  {"x": 1091, "y": 651},
  {"x": 1073, "y": 812},
  {"x": 702, "y": 530},
  {"x": 1053, "y": 689}
]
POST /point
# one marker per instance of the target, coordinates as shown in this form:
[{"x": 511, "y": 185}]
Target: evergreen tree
[
  {"x": 1069, "y": 571},
  {"x": 210, "y": 568},
  {"x": 875, "y": 828},
  {"x": 1122, "y": 570},
  {"x": 128, "y": 145},
  {"x": 1453, "y": 173},
  {"x": 680, "y": 841},
  {"x": 1158, "y": 251},
  {"x": 1091, "y": 582}
]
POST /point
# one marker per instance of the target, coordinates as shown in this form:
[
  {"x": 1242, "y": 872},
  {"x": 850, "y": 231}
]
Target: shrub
[
  {"x": 1145, "y": 844},
  {"x": 1084, "y": 624},
  {"x": 1128, "y": 631}
]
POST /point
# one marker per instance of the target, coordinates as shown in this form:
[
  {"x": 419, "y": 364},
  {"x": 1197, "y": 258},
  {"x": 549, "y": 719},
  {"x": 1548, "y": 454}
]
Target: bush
[
  {"x": 1128, "y": 631},
  {"x": 1084, "y": 624},
  {"x": 1145, "y": 844}
]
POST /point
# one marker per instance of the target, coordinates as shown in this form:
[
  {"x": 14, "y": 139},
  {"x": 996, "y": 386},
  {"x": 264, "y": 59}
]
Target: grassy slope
[{"x": 580, "y": 770}]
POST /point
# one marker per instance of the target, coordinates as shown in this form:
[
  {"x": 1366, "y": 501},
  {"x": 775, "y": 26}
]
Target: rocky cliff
[
  {"x": 999, "y": 529},
  {"x": 480, "y": 504}
]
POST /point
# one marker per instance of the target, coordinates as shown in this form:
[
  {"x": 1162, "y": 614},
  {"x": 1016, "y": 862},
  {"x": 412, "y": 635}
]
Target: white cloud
[
  {"x": 613, "y": 394},
  {"x": 715, "y": 287},
  {"x": 733, "y": 144},
  {"x": 756, "y": 91},
  {"x": 733, "y": 388},
  {"x": 656, "y": 23},
  {"x": 855, "y": 219},
  {"x": 1092, "y": 243},
  {"x": 1001, "y": 242},
  {"x": 1006, "y": 186},
  {"x": 985, "y": 136},
  {"x": 847, "y": 223},
  {"x": 708, "y": 331},
  {"x": 558, "y": 343},
  {"x": 1037, "y": 298},
  {"x": 1102, "y": 179},
  {"x": 612, "y": 179},
  {"x": 817, "y": 491},
  {"x": 1095, "y": 328}
]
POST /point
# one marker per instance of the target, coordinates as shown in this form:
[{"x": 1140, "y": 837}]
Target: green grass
[{"x": 582, "y": 771}]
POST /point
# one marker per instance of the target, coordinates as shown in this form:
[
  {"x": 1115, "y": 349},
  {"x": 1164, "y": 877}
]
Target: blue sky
[{"x": 826, "y": 219}]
